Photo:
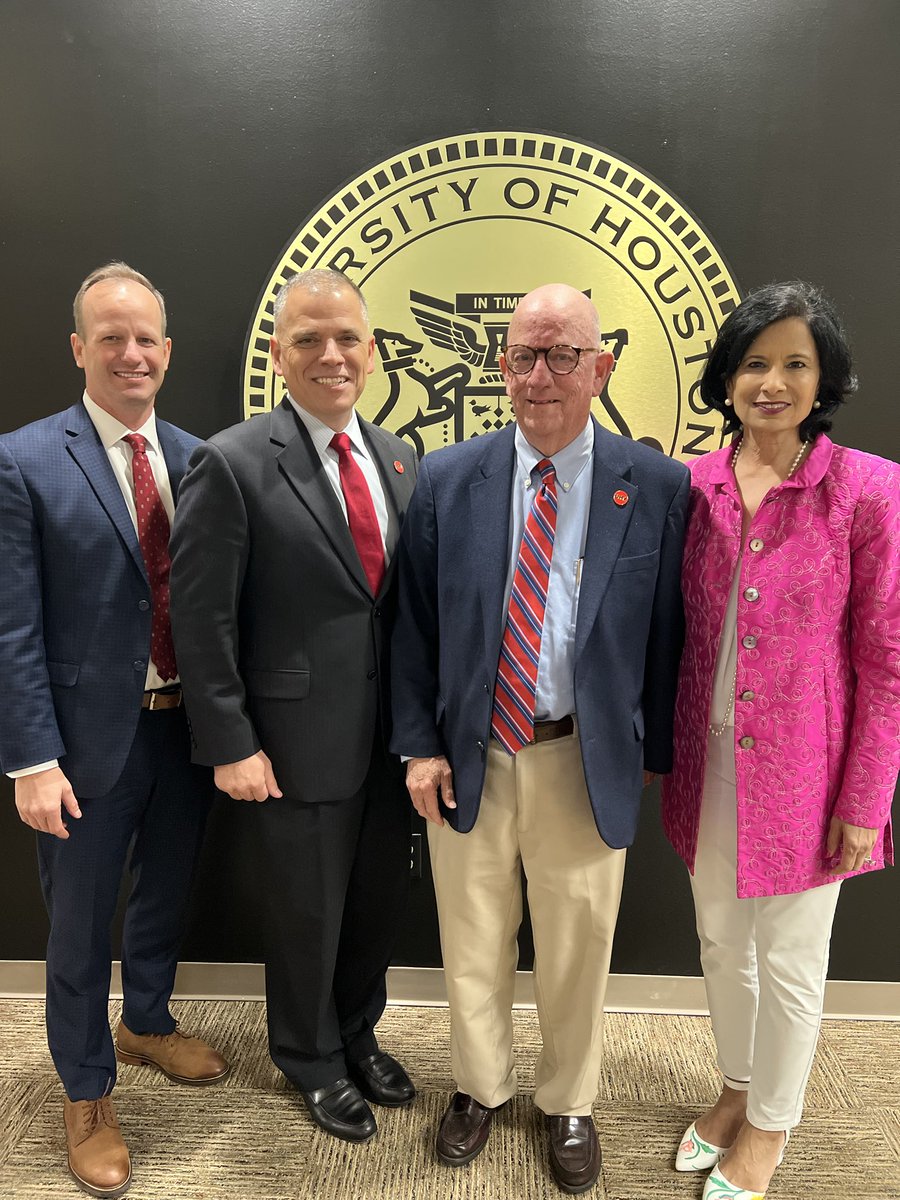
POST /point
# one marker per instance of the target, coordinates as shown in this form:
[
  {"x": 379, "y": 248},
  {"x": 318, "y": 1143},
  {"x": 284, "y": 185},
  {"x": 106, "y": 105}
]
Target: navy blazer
[
  {"x": 452, "y": 564},
  {"x": 75, "y": 605}
]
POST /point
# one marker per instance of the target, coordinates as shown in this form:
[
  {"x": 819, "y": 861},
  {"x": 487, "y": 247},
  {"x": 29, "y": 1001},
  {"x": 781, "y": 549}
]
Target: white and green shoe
[
  {"x": 694, "y": 1154},
  {"x": 717, "y": 1186}
]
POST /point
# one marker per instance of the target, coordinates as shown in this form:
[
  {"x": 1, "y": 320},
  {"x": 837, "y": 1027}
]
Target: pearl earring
[
  {"x": 728, "y": 401},
  {"x": 817, "y": 404}
]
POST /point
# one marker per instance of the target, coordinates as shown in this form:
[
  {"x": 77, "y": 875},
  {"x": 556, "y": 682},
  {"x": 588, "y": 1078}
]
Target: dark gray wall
[{"x": 193, "y": 139}]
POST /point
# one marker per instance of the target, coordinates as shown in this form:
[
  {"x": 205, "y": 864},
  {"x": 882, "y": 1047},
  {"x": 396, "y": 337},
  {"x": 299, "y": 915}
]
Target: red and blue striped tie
[{"x": 512, "y": 723}]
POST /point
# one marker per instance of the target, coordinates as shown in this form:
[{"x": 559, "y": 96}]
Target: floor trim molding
[{"x": 844, "y": 999}]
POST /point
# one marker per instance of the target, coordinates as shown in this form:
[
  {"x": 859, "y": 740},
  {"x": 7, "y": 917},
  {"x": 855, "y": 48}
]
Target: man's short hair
[
  {"x": 114, "y": 270},
  {"x": 319, "y": 279}
]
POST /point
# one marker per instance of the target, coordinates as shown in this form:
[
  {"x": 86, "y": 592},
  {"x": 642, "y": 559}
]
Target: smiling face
[
  {"x": 775, "y": 384},
  {"x": 324, "y": 351},
  {"x": 122, "y": 349},
  {"x": 552, "y": 410}
]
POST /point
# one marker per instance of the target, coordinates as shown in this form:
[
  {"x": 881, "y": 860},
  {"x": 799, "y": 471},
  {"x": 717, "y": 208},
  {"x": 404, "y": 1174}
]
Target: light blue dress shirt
[{"x": 556, "y": 670}]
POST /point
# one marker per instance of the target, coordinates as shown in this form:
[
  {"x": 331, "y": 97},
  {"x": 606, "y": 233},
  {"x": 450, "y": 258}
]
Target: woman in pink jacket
[{"x": 787, "y": 727}]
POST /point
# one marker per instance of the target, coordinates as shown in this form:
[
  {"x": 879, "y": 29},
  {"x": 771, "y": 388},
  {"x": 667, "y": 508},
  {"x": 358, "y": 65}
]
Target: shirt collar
[
  {"x": 322, "y": 434},
  {"x": 110, "y": 429},
  {"x": 811, "y": 472},
  {"x": 568, "y": 462}
]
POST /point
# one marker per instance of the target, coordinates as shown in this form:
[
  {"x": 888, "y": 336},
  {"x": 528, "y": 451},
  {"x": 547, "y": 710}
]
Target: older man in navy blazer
[
  {"x": 534, "y": 668},
  {"x": 93, "y": 730}
]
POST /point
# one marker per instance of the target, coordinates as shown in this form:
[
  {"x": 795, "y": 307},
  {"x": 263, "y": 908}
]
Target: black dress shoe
[
  {"x": 574, "y": 1153},
  {"x": 339, "y": 1109},
  {"x": 382, "y": 1080},
  {"x": 463, "y": 1131}
]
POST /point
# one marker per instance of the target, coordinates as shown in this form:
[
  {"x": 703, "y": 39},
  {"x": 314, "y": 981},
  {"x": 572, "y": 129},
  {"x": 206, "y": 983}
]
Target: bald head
[{"x": 562, "y": 304}]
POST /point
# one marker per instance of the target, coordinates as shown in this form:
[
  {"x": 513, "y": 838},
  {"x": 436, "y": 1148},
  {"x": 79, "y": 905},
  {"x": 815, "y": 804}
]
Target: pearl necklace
[
  {"x": 739, "y": 444},
  {"x": 718, "y": 730}
]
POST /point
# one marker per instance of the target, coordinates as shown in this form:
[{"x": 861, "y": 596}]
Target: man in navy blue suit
[
  {"x": 534, "y": 665},
  {"x": 93, "y": 731}
]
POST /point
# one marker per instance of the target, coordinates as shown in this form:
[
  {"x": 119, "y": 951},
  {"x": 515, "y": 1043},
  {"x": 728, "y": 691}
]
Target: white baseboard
[{"x": 844, "y": 999}]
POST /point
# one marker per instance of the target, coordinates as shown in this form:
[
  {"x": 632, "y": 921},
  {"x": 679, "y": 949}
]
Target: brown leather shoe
[
  {"x": 181, "y": 1058},
  {"x": 463, "y": 1131},
  {"x": 98, "y": 1157},
  {"x": 575, "y": 1157}
]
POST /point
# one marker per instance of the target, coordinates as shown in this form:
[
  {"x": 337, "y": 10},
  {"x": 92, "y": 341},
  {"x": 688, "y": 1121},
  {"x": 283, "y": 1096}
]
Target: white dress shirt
[
  {"x": 321, "y": 435},
  {"x": 111, "y": 433}
]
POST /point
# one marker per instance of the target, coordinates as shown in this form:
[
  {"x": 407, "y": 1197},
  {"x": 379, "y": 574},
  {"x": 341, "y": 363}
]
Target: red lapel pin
[
  {"x": 398, "y": 466},
  {"x": 620, "y": 498}
]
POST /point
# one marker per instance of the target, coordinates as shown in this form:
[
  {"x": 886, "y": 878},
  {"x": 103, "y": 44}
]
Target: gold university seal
[{"x": 445, "y": 238}]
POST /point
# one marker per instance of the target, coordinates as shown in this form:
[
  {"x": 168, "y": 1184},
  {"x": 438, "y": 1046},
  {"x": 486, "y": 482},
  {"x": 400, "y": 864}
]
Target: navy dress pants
[{"x": 158, "y": 810}]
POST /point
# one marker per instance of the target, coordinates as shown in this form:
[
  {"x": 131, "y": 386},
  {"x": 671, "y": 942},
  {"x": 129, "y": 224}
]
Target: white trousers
[
  {"x": 764, "y": 961},
  {"x": 535, "y": 813}
]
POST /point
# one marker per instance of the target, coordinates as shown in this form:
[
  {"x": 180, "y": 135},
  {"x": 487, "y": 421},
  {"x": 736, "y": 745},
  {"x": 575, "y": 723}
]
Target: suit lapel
[
  {"x": 398, "y": 488},
  {"x": 489, "y": 501},
  {"x": 300, "y": 464},
  {"x": 176, "y": 454},
  {"x": 607, "y": 525},
  {"x": 84, "y": 445}
]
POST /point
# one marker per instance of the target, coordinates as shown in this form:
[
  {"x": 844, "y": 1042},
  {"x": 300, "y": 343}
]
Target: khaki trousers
[{"x": 535, "y": 813}]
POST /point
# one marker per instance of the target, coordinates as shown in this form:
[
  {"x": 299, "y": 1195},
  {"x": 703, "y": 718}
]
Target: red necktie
[
  {"x": 360, "y": 512},
  {"x": 153, "y": 534},
  {"x": 512, "y": 723}
]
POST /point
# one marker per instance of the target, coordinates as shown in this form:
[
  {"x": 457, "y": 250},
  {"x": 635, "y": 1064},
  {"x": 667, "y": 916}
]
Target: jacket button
[
  {"x": 748, "y": 695},
  {"x": 371, "y": 674},
  {"x": 376, "y": 612},
  {"x": 751, "y": 593},
  {"x": 143, "y": 605},
  {"x": 756, "y": 544},
  {"x": 139, "y": 665},
  {"x": 748, "y": 642},
  {"x": 747, "y": 743}
]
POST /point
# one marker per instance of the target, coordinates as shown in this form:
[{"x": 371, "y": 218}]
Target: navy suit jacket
[
  {"x": 453, "y": 562},
  {"x": 75, "y": 605}
]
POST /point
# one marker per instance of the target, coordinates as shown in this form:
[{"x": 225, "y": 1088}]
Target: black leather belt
[
  {"x": 547, "y": 731},
  {"x": 167, "y": 698}
]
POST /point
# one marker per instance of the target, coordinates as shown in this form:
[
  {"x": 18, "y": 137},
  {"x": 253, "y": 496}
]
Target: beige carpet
[{"x": 251, "y": 1138}]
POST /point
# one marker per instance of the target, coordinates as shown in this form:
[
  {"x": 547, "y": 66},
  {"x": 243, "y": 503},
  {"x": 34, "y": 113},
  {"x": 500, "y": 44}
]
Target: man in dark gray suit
[{"x": 282, "y": 601}]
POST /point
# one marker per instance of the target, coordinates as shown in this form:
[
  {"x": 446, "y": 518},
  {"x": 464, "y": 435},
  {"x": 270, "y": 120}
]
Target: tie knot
[
  {"x": 136, "y": 441},
  {"x": 547, "y": 470},
  {"x": 341, "y": 443}
]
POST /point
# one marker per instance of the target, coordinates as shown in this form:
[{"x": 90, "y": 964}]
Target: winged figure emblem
[{"x": 441, "y": 324}]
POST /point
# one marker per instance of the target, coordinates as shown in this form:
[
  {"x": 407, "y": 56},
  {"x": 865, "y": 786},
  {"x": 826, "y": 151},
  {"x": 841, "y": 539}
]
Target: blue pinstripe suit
[{"x": 75, "y": 615}]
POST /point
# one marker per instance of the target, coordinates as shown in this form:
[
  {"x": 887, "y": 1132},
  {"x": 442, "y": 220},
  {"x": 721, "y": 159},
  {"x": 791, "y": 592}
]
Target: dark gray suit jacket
[{"x": 281, "y": 645}]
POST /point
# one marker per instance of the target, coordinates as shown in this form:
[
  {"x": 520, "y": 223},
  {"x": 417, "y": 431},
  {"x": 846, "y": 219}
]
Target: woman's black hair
[{"x": 775, "y": 302}]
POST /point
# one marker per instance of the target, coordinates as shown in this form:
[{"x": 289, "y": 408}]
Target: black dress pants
[{"x": 334, "y": 878}]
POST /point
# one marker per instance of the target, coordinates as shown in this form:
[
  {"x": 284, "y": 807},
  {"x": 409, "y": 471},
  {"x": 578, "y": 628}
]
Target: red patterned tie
[
  {"x": 153, "y": 534},
  {"x": 512, "y": 723},
  {"x": 360, "y": 512}
]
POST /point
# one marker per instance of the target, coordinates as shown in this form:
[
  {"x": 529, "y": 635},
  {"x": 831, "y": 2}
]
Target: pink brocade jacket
[{"x": 817, "y": 698}]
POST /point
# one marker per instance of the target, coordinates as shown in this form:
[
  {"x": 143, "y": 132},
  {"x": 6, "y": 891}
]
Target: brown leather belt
[
  {"x": 167, "y": 699},
  {"x": 546, "y": 731}
]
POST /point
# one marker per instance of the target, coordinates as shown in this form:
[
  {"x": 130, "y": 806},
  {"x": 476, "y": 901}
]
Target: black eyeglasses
[{"x": 561, "y": 360}]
